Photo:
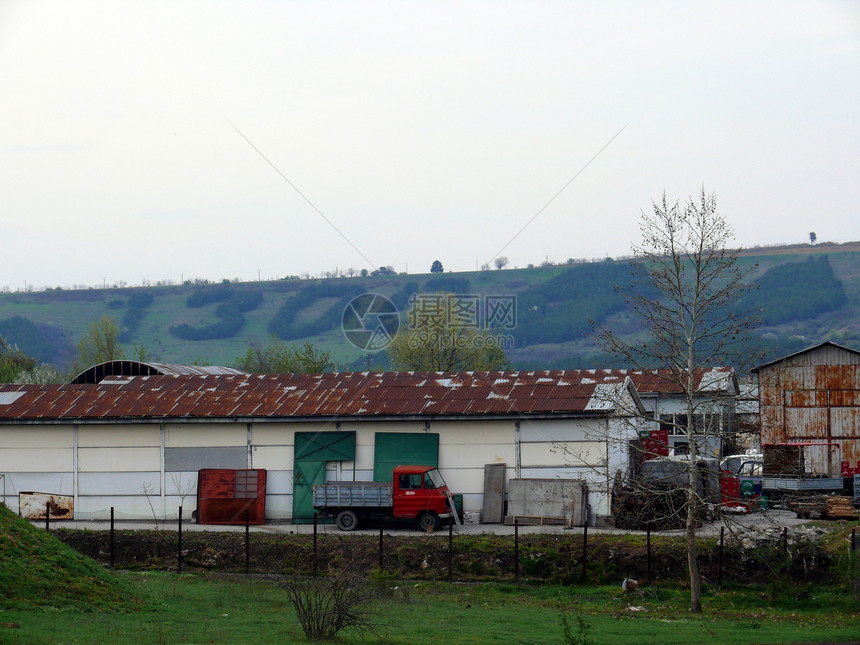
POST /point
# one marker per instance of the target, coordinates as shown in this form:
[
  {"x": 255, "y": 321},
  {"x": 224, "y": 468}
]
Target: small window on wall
[{"x": 674, "y": 424}]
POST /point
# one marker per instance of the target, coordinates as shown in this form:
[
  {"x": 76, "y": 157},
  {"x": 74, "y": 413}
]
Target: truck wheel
[
  {"x": 346, "y": 520},
  {"x": 428, "y": 520}
]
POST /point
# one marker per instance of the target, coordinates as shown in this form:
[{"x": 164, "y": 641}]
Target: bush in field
[{"x": 327, "y": 605}]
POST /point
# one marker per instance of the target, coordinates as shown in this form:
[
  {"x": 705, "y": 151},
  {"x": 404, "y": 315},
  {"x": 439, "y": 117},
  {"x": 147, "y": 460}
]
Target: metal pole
[
  {"x": 516, "y": 549},
  {"x": 722, "y": 536},
  {"x": 247, "y": 542},
  {"x": 315, "y": 544},
  {"x": 179, "y": 551},
  {"x": 48, "y": 517},
  {"x": 584, "y": 548},
  {"x": 784, "y": 540},
  {"x": 648, "y": 551},
  {"x": 111, "y": 537},
  {"x": 450, "y": 553},
  {"x": 380, "y": 546},
  {"x": 853, "y": 532}
]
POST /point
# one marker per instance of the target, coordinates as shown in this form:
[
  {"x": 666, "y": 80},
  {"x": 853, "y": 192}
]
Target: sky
[{"x": 146, "y": 141}]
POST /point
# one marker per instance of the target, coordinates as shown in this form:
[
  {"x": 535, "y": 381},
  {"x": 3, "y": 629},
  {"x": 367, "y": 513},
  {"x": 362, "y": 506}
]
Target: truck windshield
[{"x": 433, "y": 479}]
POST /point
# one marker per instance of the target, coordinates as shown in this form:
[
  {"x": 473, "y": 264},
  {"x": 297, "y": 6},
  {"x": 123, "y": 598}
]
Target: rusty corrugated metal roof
[
  {"x": 814, "y": 348},
  {"x": 711, "y": 380},
  {"x": 319, "y": 395}
]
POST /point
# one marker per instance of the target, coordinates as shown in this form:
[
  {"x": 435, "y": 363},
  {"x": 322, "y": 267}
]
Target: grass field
[{"x": 194, "y": 608}]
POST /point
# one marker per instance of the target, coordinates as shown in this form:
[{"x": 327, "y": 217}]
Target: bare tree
[
  {"x": 501, "y": 262},
  {"x": 685, "y": 297},
  {"x": 327, "y": 605}
]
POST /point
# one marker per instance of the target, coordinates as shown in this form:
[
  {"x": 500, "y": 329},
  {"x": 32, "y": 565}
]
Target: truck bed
[
  {"x": 352, "y": 495},
  {"x": 789, "y": 483}
]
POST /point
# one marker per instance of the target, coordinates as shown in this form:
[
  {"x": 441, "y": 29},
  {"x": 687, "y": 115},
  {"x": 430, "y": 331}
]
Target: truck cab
[
  {"x": 420, "y": 492},
  {"x": 414, "y": 493}
]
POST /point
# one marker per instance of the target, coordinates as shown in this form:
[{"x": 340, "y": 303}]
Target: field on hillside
[{"x": 806, "y": 294}]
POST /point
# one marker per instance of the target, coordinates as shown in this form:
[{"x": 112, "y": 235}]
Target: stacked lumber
[{"x": 840, "y": 507}]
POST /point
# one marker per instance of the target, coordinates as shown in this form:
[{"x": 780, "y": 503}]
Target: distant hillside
[{"x": 807, "y": 294}]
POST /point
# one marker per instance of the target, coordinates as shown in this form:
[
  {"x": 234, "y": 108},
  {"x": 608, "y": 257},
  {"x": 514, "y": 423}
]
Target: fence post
[
  {"x": 380, "y": 546},
  {"x": 648, "y": 551},
  {"x": 450, "y": 552},
  {"x": 111, "y": 537},
  {"x": 516, "y": 549},
  {"x": 720, "y": 574},
  {"x": 315, "y": 545},
  {"x": 179, "y": 551},
  {"x": 48, "y": 517},
  {"x": 247, "y": 542},
  {"x": 784, "y": 541},
  {"x": 584, "y": 549}
]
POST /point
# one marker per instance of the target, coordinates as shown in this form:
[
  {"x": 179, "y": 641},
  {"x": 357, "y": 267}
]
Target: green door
[
  {"x": 312, "y": 451},
  {"x": 403, "y": 449}
]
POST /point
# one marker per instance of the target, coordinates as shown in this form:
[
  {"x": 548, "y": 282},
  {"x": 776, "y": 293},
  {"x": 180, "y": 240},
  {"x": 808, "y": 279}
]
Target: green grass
[
  {"x": 37, "y": 570},
  {"x": 204, "y": 609}
]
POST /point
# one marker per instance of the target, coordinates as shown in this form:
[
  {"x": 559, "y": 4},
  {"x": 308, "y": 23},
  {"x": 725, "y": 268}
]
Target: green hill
[
  {"x": 806, "y": 295},
  {"x": 39, "y": 571}
]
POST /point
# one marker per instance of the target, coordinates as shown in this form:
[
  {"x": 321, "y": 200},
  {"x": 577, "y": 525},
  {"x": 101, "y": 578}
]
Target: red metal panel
[{"x": 225, "y": 496}]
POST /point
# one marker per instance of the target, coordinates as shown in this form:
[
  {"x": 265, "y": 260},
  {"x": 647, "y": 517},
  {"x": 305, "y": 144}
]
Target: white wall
[{"x": 124, "y": 465}]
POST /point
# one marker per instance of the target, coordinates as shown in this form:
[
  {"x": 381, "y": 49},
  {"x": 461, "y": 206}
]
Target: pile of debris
[
  {"x": 660, "y": 508},
  {"x": 824, "y": 507}
]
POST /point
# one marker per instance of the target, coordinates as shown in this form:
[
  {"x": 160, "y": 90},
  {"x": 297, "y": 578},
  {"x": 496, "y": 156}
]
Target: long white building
[{"x": 136, "y": 443}]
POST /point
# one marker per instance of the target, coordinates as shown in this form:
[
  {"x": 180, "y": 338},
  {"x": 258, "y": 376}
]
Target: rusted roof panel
[
  {"x": 714, "y": 380},
  {"x": 827, "y": 353},
  {"x": 303, "y": 395}
]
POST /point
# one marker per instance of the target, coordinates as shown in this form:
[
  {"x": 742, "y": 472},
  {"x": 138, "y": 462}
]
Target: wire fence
[{"x": 573, "y": 557}]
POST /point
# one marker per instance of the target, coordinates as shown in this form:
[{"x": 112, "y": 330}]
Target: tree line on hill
[{"x": 560, "y": 309}]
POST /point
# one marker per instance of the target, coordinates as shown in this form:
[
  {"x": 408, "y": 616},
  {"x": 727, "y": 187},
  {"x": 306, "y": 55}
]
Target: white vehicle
[{"x": 747, "y": 465}]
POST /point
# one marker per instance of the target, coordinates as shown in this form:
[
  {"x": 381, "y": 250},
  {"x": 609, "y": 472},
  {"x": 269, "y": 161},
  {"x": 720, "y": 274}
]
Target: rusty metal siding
[
  {"x": 844, "y": 423},
  {"x": 812, "y": 396},
  {"x": 805, "y": 424}
]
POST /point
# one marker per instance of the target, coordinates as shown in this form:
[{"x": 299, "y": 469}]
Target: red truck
[{"x": 417, "y": 492}]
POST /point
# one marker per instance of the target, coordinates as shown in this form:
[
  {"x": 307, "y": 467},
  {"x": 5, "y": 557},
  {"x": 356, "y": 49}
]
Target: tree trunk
[
  {"x": 692, "y": 493},
  {"x": 692, "y": 546}
]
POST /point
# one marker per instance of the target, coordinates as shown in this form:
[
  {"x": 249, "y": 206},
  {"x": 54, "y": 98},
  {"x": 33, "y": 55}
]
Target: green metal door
[
  {"x": 312, "y": 451},
  {"x": 403, "y": 449}
]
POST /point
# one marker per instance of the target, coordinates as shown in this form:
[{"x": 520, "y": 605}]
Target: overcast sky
[{"x": 420, "y": 130}]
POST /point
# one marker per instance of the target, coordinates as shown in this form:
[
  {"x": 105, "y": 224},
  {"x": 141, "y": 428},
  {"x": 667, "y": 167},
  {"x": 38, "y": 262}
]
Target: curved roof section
[
  {"x": 355, "y": 394},
  {"x": 122, "y": 369}
]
